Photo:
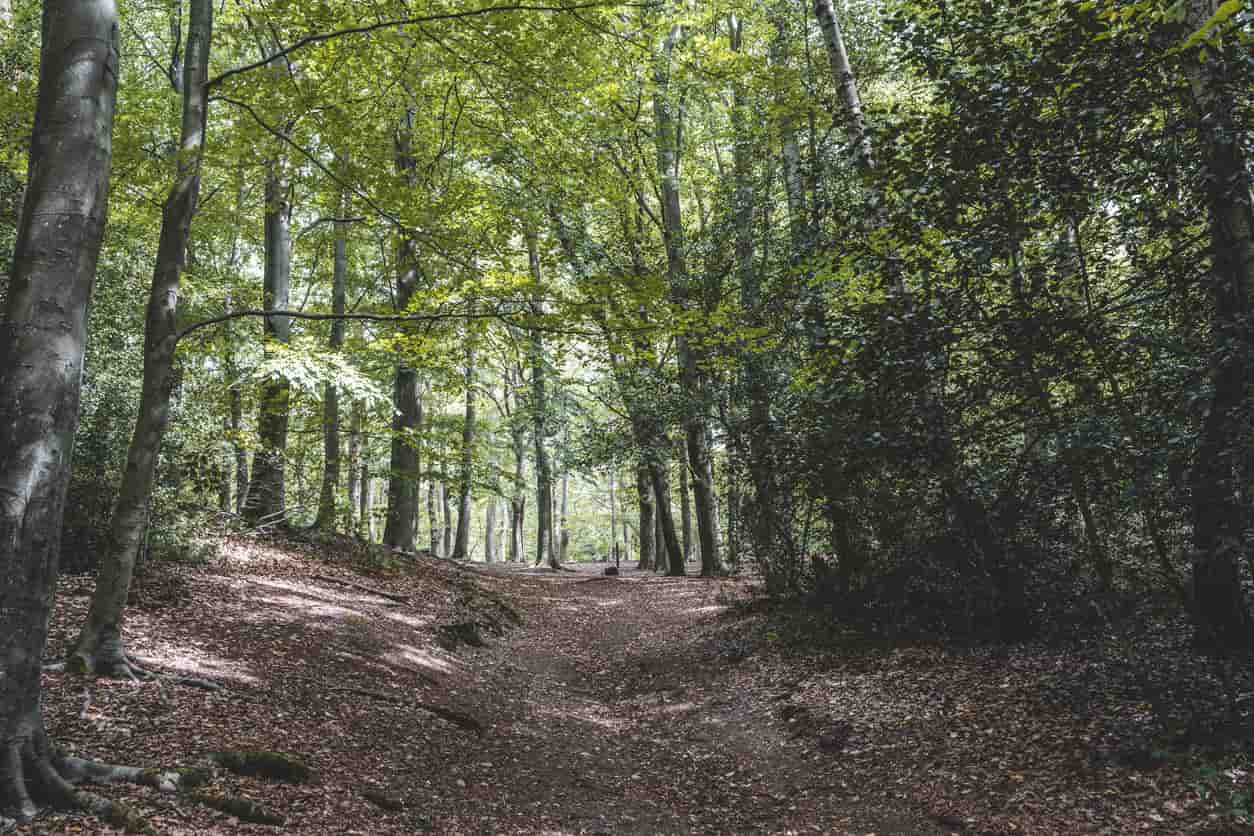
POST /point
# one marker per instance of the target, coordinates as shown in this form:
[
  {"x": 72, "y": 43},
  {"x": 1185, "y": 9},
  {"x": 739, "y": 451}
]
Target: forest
[{"x": 827, "y": 373}]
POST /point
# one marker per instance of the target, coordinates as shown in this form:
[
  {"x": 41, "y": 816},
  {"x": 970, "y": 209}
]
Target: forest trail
[
  {"x": 613, "y": 706},
  {"x": 635, "y": 716},
  {"x": 429, "y": 696}
]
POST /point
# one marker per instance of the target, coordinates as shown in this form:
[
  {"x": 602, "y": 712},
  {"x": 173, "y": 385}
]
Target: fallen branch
[
  {"x": 400, "y": 599},
  {"x": 457, "y": 718}
]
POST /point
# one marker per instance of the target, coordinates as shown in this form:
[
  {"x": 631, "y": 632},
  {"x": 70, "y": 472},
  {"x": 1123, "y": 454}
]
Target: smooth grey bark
[
  {"x": 613, "y": 519},
  {"x": 266, "y": 490},
  {"x": 846, "y": 83},
  {"x": 437, "y": 541},
  {"x": 660, "y": 480},
  {"x": 42, "y": 339},
  {"x": 402, "y": 515},
  {"x": 100, "y": 648},
  {"x": 546, "y": 549},
  {"x": 1221, "y": 473},
  {"x": 512, "y": 403},
  {"x": 354, "y": 463},
  {"x": 691, "y": 377},
  {"x": 685, "y": 510},
  {"x": 367, "y": 512},
  {"x": 489, "y": 531},
  {"x": 446, "y": 532},
  {"x": 461, "y": 547},
  {"x": 325, "y": 520},
  {"x": 235, "y": 396}
]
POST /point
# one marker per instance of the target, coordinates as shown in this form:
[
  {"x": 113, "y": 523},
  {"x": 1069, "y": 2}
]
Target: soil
[{"x": 431, "y": 697}]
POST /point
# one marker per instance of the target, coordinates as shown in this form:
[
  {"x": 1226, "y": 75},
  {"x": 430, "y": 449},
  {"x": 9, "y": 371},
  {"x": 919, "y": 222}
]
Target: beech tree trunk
[
  {"x": 489, "y": 531},
  {"x": 367, "y": 514},
  {"x": 42, "y": 339},
  {"x": 354, "y": 463},
  {"x": 546, "y": 549},
  {"x": 685, "y": 510},
  {"x": 437, "y": 540},
  {"x": 1219, "y": 478},
  {"x": 266, "y": 491},
  {"x": 331, "y": 397},
  {"x": 100, "y": 648},
  {"x": 461, "y": 548},
  {"x": 446, "y": 532},
  {"x": 667, "y": 134},
  {"x": 400, "y": 531}
]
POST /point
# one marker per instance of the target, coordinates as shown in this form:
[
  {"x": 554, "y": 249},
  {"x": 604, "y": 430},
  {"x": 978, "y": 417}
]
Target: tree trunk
[
  {"x": 659, "y": 476},
  {"x": 354, "y": 463},
  {"x": 489, "y": 531},
  {"x": 613, "y": 519},
  {"x": 461, "y": 550},
  {"x": 685, "y": 509},
  {"x": 331, "y": 398},
  {"x": 367, "y": 515},
  {"x": 266, "y": 492},
  {"x": 436, "y": 540},
  {"x": 846, "y": 84},
  {"x": 546, "y": 549},
  {"x": 400, "y": 532},
  {"x": 518, "y": 503},
  {"x": 667, "y": 133},
  {"x": 446, "y": 533},
  {"x": 42, "y": 340},
  {"x": 100, "y": 648},
  {"x": 1221, "y": 612}
]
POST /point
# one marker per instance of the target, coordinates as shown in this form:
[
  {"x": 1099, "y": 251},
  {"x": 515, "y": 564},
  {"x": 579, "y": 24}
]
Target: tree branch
[{"x": 309, "y": 40}]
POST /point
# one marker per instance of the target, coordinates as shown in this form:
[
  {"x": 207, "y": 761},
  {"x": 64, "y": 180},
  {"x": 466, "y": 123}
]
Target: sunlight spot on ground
[
  {"x": 309, "y": 607},
  {"x": 193, "y": 661},
  {"x": 713, "y": 608},
  {"x": 408, "y": 654},
  {"x": 408, "y": 620}
]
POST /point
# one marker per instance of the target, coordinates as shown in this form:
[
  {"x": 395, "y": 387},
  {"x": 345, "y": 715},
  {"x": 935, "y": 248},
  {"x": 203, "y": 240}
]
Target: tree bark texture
[
  {"x": 326, "y": 519},
  {"x": 401, "y": 530},
  {"x": 42, "y": 340},
  {"x": 546, "y": 549},
  {"x": 266, "y": 491},
  {"x": 1219, "y": 478},
  {"x": 461, "y": 547},
  {"x": 100, "y": 647},
  {"x": 667, "y": 134}
]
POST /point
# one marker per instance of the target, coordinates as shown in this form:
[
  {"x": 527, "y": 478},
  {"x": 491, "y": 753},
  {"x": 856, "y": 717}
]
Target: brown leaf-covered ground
[{"x": 636, "y": 704}]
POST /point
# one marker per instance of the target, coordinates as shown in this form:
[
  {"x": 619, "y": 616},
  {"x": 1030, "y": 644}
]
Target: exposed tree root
[
  {"x": 32, "y": 772},
  {"x": 464, "y": 721},
  {"x": 400, "y": 599},
  {"x": 129, "y": 668}
]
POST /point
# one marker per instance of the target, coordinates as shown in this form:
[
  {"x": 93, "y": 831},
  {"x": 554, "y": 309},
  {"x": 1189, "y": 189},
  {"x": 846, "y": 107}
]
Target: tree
[
  {"x": 100, "y": 648},
  {"x": 41, "y": 353},
  {"x": 326, "y": 519},
  {"x": 1221, "y": 612},
  {"x": 401, "y": 530},
  {"x": 461, "y": 547}
]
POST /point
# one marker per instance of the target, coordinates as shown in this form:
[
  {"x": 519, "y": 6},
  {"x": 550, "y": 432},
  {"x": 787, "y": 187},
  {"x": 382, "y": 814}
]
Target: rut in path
[{"x": 624, "y": 711}]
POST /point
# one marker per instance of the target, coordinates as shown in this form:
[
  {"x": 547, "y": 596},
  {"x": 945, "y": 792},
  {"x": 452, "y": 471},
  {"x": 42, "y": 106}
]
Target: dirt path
[{"x": 628, "y": 714}]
